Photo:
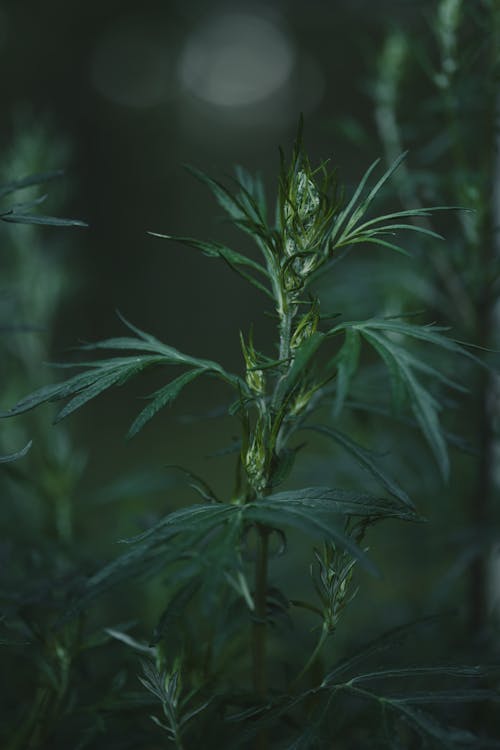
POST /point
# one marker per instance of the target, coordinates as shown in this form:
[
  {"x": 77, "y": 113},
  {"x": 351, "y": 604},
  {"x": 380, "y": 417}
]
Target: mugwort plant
[{"x": 214, "y": 671}]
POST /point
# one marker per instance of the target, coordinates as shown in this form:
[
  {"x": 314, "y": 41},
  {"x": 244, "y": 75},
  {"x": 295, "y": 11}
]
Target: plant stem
[
  {"x": 317, "y": 650},
  {"x": 260, "y": 624},
  {"x": 260, "y": 627},
  {"x": 286, "y": 332}
]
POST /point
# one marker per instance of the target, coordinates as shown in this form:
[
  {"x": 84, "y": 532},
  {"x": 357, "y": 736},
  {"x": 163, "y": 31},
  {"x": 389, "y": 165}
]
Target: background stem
[{"x": 260, "y": 625}]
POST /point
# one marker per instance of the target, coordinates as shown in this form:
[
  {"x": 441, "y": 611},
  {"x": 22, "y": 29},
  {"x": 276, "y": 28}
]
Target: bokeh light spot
[{"x": 236, "y": 60}]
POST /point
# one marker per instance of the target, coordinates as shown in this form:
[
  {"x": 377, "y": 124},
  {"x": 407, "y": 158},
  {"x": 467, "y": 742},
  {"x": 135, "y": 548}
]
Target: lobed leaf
[
  {"x": 403, "y": 366},
  {"x": 180, "y": 535},
  {"x": 346, "y": 362},
  {"x": 195, "y": 518},
  {"x": 342, "y": 217},
  {"x": 311, "y": 510},
  {"x": 366, "y": 459},
  {"x": 224, "y": 198},
  {"x": 231, "y": 257},
  {"x": 252, "y": 192},
  {"x": 84, "y": 386},
  {"x": 100, "y": 375},
  {"x": 344, "y": 502},
  {"x": 316, "y": 525},
  {"x": 161, "y": 398},
  {"x": 214, "y": 250},
  {"x": 114, "y": 376},
  {"x": 386, "y": 642}
]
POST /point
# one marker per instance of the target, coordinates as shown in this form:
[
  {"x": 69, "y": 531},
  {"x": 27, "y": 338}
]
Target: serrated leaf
[
  {"x": 180, "y": 534},
  {"x": 394, "y": 637},
  {"x": 114, "y": 377},
  {"x": 383, "y": 179},
  {"x": 315, "y": 526},
  {"x": 391, "y": 362},
  {"x": 197, "y": 483},
  {"x": 346, "y": 361},
  {"x": 343, "y": 502},
  {"x": 252, "y": 190},
  {"x": 53, "y": 392},
  {"x": 84, "y": 386},
  {"x": 426, "y": 368},
  {"x": 366, "y": 459},
  {"x": 231, "y": 257},
  {"x": 425, "y": 409},
  {"x": 344, "y": 214},
  {"x": 311, "y": 509},
  {"x": 101, "y": 375},
  {"x": 161, "y": 398},
  {"x": 214, "y": 250},
  {"x": 404, "y": 381},
  {"x": 200, "y": 517},
  {"x": 178, "y": 357},
  {"x": 228, "y": 202},
  {"x": 432, "y": 334}
]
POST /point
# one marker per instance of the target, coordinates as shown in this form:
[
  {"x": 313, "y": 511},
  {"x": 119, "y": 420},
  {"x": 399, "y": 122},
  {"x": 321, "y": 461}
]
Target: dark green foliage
[
  {"x": 252, "y": 642},
  {"x": 204, "y": 545},
  {"x": 21, "y": 213}
]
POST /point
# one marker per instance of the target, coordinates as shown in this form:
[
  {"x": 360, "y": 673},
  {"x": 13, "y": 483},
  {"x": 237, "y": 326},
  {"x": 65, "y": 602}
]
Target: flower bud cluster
[
  {"x": 254, "y": 376},
  {"x": 305, "y": 328},
  {"x": 301, "y": 211},
  {"x": 255, "y": 461},
  {"x": 333, "y": 582}
]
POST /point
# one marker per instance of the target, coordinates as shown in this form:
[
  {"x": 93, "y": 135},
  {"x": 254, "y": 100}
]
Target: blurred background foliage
[
  {"x": 121, "y": 96},
  {"x": 138, "y": 93}
]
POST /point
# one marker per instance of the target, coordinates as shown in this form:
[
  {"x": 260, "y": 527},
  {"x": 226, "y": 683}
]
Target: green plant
[
  {"x": 228, "y": 682},
  {"x": 22, "y": 213},
  {"x": 38, "y": 492},
  {"x": 453, "y": 139}
]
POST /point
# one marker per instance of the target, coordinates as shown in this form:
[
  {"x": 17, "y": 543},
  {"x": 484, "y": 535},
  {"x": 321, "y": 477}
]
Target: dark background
[
  {"x": 112, "y": 77},
  {"x": 139, "y": 90}
]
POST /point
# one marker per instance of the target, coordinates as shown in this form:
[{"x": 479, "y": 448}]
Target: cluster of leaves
[
  {"x": 455, "y": 72},
  {"x": 22, "y": 213},
  {"x": 205, "y": 549}
]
